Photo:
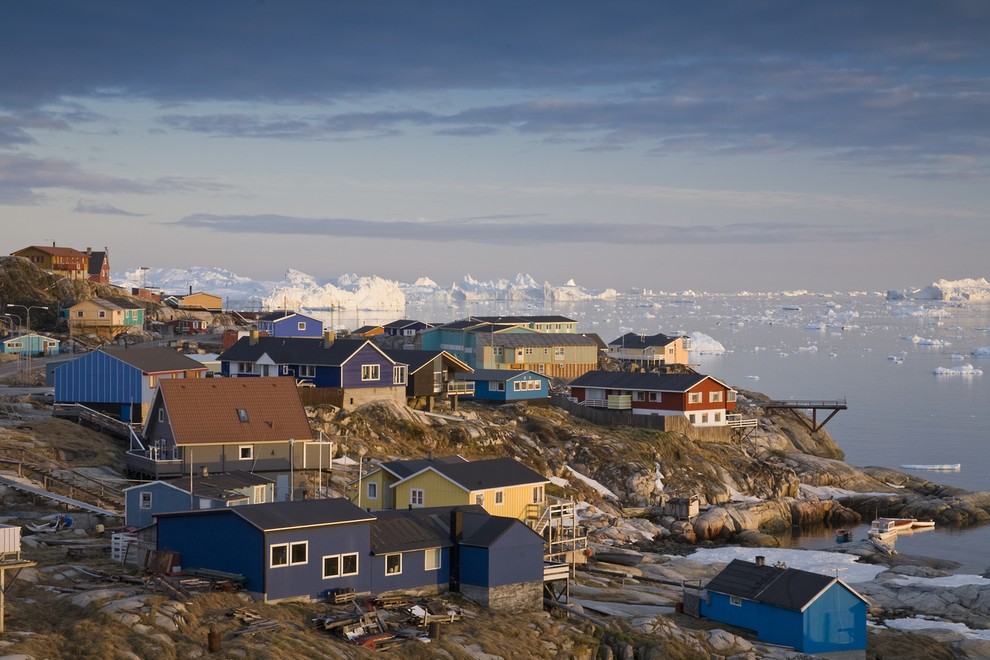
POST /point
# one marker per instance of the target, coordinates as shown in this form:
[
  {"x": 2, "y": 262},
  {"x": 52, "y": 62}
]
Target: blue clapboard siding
[
  {"x": 414, "y": 574},
  {"x": 516, "y": 556},
  {"x": 367, "y": 354},
  {"x": 97, "y": 378}
]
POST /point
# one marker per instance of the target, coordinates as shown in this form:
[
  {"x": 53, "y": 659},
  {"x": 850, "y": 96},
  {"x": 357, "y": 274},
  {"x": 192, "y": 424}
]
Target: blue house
[
  {"x": 355, "y": 370},
  {"x": 286, "y": 323},
  {"x": 507, "y": 385},
  {"x": 285, "y": 550},
  {"x": 121, "y": 382},
  {"x": 497, "y": 562},
  {"x": 209, "y": 491},
  {"x": 31, "y": 344},
  {"x": 405, "y": 328},
  {"x": 810, "y": 612}
]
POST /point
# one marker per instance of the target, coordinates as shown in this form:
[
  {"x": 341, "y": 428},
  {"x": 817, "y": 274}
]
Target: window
[
  {"x": 499, "y": 497},
  {"x": 370, "y": 372},
  {"x": 289, "y": 554},
  {"x": 537, "y": 494},
  {"x": 340, "y": 565},
  {"x": 301, "y": 326},
  {"x": 79, "y": 314},
  {"x": 416, "y": 497},
  {"x": 285, "y": 369},
  {"x": 393, "y": 564},
  {"x": 242, "y": 415},
  {"x": 496, "y": 386},
  {"x": 735, "y": 600},
  {"x": 145, "y": 500},
  {"x": 558, "y": 353},
  {"x": 541, "y": 368},
  {"x": 152, "y": 381},
  {"x": 372, "y": 491},
  {"x": 654, "y": 397},
  {"x": 433, "y": 556},
  {"x": 694, "y": 397},
  {"x": 691, "y": 418},
  {"x": 245, "y": 367},
  {"x": 161, "y": 414},
  {"x": 529, "y": 351},
  {"x": 714, "y": 397},
  {"x": 704, "y": 418},
  {"x": 731, "y": 396},
  {"x": 101, "y": 314},
  {"x": 639, "y": 396},
  {"x": 498, "y": 351},
  {"x": 259, "y": 495},
  {"x": 298, "y": 553},
  {"x": 399, "y": 374},
  {"x": 718, "y": 417},
  {"x": 245, "y": 452},
  {"x": 307, "y": 370}
]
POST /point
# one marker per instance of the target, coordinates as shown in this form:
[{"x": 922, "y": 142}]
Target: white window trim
[
  {"x": 372, "y": 490},
  {"x": 387, "y": 557},
  {"x": 735, "y": 600},
  {"x": 271, "y": 555},
  {"x": 340, "y": 565},
  {"x": 432, "y": 552},
  {"x": 413, "y": 492},
  {"x": 399, "y": 374},
  {"x": 146, "y": 499},
  {"x": 499, "y": 497},
  {"x": 292, "y": 546},
  {"x": 250, "y": 453},
  {"x": 371, "y": 372}
]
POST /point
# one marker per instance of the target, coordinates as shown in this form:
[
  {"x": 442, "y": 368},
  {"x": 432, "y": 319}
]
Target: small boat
[{"x": 843, "y": 535}]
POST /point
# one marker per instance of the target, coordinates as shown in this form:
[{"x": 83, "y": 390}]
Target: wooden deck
[{"x": 814, "y": 405}]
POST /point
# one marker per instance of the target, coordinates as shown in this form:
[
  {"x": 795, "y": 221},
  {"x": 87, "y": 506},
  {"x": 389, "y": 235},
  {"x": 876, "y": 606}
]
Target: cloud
[
  {"x": 85, "y": 206},
  {"x": 505, "y": 230}
]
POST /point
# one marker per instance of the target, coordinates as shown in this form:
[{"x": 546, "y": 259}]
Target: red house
[{"x": 703, "y": 400}]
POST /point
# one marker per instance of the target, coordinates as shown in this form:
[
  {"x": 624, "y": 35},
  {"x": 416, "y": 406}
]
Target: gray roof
[
  {"x": 472, "y": 475},
  {"x": 410, "y": 529},
  {"x": 639, "y": 380},
  {"x": 525, "y": 319},
  {"x": 116, "y": 302},
  {"x": 496, "y": 374},
  {"x": 155, "y": 359},
  {"x": 305, "y": 513},
  {"x": 417, "y": 359},
  {"x": 293, "y": 350},
  {"x": 221, "y": 486},
  {"x": 403, "y": 469},
  {"x": 532, "y": 339},
  {"x": 787, "y": 588}
]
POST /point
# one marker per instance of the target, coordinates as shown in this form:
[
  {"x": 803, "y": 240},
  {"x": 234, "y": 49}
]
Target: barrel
[{"x": 213, "y": 640}]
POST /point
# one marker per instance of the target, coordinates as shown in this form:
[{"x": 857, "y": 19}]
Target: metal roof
[
  {"x": 640, "y": 380},
  {"x": 295, "y": 350},
  {"x": 303, "y": 513},
  {"x": 632, "y": 340},
  {"x": 787, "y": 588},
  {"x": 413, "y": 529},
  {"x": 154, "y": 359},
  {"x": 532, "y": 339}
]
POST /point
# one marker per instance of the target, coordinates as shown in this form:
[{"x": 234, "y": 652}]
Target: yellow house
[
  {"x": 650, "y": 350},
  {"x": 201, "y": 301},
  {"x": 558, "y": 355},
  {"x": 503, "y": 486},
  {"x": 105, "y": 317}
]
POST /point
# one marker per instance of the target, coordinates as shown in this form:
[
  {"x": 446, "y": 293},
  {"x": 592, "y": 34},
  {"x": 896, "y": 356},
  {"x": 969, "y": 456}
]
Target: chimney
[
  {"x": 89, "y": 252},
  {"x": 204, "y": 471},
  {"x": 328, "y": 338},
  {"x": 253, "y": 338},
  {"x": 760, "y": 560},
  {"x": 190, "y": 289}
]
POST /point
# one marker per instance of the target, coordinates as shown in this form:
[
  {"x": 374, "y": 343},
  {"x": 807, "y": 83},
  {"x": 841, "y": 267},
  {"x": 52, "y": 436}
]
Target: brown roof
[
  {"x": 54, "y": 251},
  {"x": 206, "y": 410}
]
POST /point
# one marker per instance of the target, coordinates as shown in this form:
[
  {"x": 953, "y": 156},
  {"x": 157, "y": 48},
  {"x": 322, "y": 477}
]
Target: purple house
[
  {"x": 286, "y": 323},
  {"x": 351, "y": 371}
]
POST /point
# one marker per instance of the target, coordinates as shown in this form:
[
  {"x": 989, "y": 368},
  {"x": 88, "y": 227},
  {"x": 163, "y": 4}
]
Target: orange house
[{"x": 63, "y": 261}]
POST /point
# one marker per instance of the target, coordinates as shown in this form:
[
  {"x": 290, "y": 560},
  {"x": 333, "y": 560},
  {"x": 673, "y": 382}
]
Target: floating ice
[{"x": 961, "y": 370}]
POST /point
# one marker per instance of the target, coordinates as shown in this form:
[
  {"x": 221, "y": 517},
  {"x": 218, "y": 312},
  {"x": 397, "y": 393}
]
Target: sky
[{"x": 705, "y": 146}]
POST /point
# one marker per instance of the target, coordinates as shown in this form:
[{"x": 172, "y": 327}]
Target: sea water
[{"x": 879, "y": 356}]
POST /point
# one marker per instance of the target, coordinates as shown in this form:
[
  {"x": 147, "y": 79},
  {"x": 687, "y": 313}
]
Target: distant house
[
  {"x": 211, "y": 491},
  {"x": 222, "y": 425},
  {"x": 201, "y": 301},
  {"x": 703, "y": 400},
  {"x": 405, "y": 328},
  {"x": 286, "y": 323},
  {"x": 431, "y": 375},
  {"x": 99, "y": 266},
  {"x": 368, "y": 331},
  {"x": 121, "y": 382},
  {"x": 502, "y": 486},
  {"x": 547, "y": 323},
  {"x": 650, "y": 350},
  {"x": 105, "y": 318},
  {"x": 512, "y": 344},
  {"x": 187, "y": 326},
  {"x": 286, "y": 550},
  {"x": 31, "y": 344},
  {"x": 353, "y": 371},
  {"x": 63, "y": 261},
  {"x": 507, "y": 385},
  {"x": 813, "y": 613}
]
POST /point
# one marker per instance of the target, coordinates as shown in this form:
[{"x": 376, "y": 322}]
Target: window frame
[
  {"x": 372, "y": 490},
  {"x": 342, "y": 560},
  {"x": 241, "y": 451},
  {"x": 499, "y": 497},
  {"x": 417, "y": 497},
  {"x": 399, "y": 374},
  {"x": 437, "y": 554},
  {"x": 146, "y": 500},
  {"x": 392, "y": 556},
  {"x": 371, "y": 372}
]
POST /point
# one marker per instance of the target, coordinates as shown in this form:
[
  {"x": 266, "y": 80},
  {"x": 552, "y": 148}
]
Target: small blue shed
[
  {"x": 811, "y": 612},
  {"x": 508, "y": 385},
  {"x": 286, "y": 550}
]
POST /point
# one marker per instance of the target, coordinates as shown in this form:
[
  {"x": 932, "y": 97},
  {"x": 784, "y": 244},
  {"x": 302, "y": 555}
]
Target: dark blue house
[
  {"x": 810, "y": 612},
  {"x": 285, "y": 550},
  {"x": 209, "y": 491},
  {"x": 286, "y": 323},
  {"x": 410, "y": 551},
  {"x": 507, "y": 385},
  {"x": 356, "y": 369}
]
